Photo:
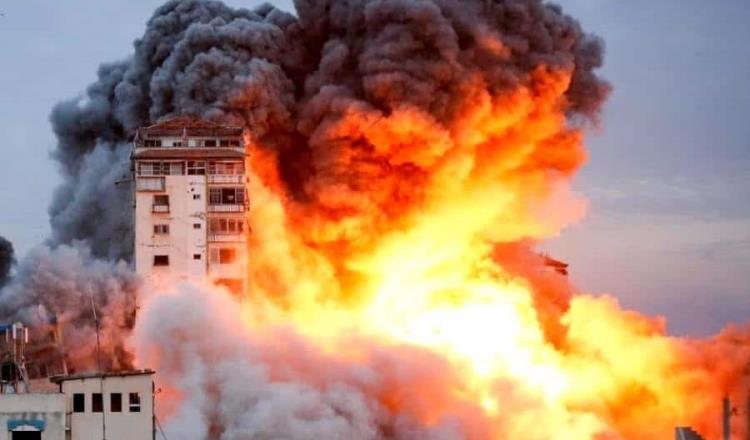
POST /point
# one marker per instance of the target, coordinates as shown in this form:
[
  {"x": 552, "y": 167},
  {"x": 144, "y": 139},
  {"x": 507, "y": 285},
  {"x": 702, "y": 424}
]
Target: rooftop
[
  {"x": 187, "y": 125},
  {"x": 93, "y": 375},
  {"x": 188, "y": 153}
]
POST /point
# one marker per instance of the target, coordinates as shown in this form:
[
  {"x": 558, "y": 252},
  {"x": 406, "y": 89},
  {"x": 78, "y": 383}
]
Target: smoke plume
[
  {"x": 405, "y": 158},
  {"x": 63, "y": 286},
  {"x": 7, "y": 259}
]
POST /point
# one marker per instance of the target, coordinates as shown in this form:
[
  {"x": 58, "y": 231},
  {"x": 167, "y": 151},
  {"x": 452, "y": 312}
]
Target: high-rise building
[{"x": 190, "y": 202}]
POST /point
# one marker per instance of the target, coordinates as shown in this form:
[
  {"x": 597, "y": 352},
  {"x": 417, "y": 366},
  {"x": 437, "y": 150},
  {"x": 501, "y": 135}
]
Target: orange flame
[{"x": 420, "y": 237}]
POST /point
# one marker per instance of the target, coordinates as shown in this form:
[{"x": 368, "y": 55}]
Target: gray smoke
[
  {"x": 61, "y": 285},
  {"x": 7, "y": 259},
  {"x": 289, "y": 79},
  {"x": 231, "y": 384}
]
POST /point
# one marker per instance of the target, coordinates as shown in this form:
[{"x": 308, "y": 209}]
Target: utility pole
[{"x": 99, "y": 365}]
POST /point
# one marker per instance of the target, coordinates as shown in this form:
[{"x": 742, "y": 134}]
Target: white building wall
[
  {"x": 187, "y": 208},
  {"x": 123, "y": 425},
  {"x": 49, "y": 408}
]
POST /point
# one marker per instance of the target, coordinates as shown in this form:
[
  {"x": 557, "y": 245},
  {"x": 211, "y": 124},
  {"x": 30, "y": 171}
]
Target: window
[
  {"x": 135, "y": 402},
  {"x": 196, "y": 167},
  {"x": 223, "y": 256},
  {"x": 226, "y": 226},
  {"x": 234, "y": 142},
  {"x": 161, "y": 199},
  {"x": 226, "y": 168},
  {"x": 196, "y": 196},
  {"x": 161, "y": 204},
  {"x": 150, "y": 184},
  {"x": 176, "y": 168},
  {"x": 196, "y": 256},
  {"x": 115, "y": 402},
  {"x": 152, "y": 143},
  {"x": 160, "y": 168},
  {"x": 97, "y": 402},
  {"x": 224, "y": 142},
  {"x": 177, "y": 143},
  {"x": 226, "y": 196},
  {"x": 210, "y": 143},
  {"x": 196, "y": 225},
  {"x": 161, "y": 229},
  {"x": 79, "y": 402},
  {"x": 161, "y": 260}
]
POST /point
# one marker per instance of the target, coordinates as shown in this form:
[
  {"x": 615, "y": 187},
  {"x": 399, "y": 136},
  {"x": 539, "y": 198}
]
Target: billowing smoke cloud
[
  {"x": 7, "y": 259},
  {"x": 291, "y": 80},
  {"x": 63, "y": 286},
  {"x": 410, "y": 151}
]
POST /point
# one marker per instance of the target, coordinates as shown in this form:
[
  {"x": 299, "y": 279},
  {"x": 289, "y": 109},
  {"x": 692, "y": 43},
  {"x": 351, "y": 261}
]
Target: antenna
[{"x": 99, "y": 362}]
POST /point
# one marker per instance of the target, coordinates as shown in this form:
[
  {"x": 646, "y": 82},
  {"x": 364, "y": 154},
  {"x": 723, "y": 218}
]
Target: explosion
[{"x": 405, "y": 157}]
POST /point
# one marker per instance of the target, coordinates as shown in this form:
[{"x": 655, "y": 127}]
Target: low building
[
  {"x": 33, "y": 416},
  {"x": 115, "y": 406}
]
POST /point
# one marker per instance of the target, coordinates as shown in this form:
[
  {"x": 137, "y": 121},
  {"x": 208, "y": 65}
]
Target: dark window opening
[
  {"x": 134, "y": 402},
  {"x": 115, "y": 402},
  {"x": 196, "y": 167},
  {"x": 161, "y": 260},
  {"x": 161, "y": 199},
  {"x": 227, "y": 196},
  {"x": 26, "y": 435},
  {"x": 161, "y": 229},
  {"x": 210, "y": 143},
  {"x": 196, "y": 256},
  {"x": 196, "y": 225},
  {"x": 196, "y": 196},
  {"x": 152, "y": 143},
  {"x": 97, "y": 403},
  {"x": 79, "y": 402}
]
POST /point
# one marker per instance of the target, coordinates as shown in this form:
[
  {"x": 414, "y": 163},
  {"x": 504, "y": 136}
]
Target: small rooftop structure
[
  {"x": 93, "y": 375},
  {"x": 186, "y": 125}
]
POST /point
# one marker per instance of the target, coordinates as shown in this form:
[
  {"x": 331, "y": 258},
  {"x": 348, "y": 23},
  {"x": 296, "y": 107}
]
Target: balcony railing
[
  {"x": 227, "y": 208},
  {"x": 225, "y": 178},
  {"x": 226, "y": 238},
  {"x": 160, "y": 209}
]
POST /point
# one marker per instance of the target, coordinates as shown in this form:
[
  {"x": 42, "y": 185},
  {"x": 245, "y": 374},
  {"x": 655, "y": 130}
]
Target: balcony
[
  {"x": 160, "y": 209},
  {"x": 226, "y": 238},
  {"x": 225, "y": 178},
  {"x": 227, "y": 208},
  {"x": 150, "y": 184}
]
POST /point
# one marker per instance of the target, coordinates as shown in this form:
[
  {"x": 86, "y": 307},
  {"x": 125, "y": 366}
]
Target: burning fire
[
  {"x": 406, "y": 253},
  {"x": 405, "y": 157}
]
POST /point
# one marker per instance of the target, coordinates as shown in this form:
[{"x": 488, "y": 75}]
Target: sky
[{"x": 668, "y": 176}]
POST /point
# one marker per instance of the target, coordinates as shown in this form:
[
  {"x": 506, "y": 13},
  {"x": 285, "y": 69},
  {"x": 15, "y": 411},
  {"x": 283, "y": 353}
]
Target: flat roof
[
  {"x": 94, "y": 375},
  {"x": 188, "y": 153},
  {"x": 189, "y": 125}
]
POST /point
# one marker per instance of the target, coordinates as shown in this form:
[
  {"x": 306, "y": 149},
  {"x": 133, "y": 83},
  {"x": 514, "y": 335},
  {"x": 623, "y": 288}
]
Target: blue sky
[{"x": 668, "y": 181}]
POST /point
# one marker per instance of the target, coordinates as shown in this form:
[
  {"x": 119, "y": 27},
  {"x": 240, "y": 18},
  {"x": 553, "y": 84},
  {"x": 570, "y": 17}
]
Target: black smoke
[
  {"x": 7, "y": 259},
  {"x": 288, "y": 78}
]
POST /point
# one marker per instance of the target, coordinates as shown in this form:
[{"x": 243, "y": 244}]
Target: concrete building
[
  {"x": 115, "y": 406},
  {"x": 190, "y": 202},
  {"x": 32, "y": 416}
]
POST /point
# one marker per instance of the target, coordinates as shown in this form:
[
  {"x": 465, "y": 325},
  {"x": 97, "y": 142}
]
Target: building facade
[
  {"x": 32, "y": 416},
  {"x": 190, "y": 203},
  {"x": 115, "y": 406}
]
